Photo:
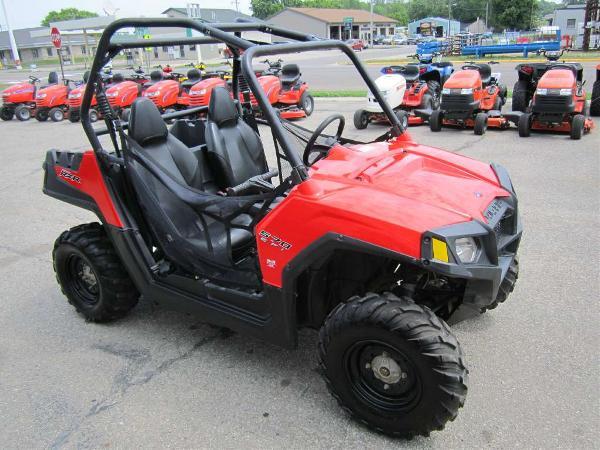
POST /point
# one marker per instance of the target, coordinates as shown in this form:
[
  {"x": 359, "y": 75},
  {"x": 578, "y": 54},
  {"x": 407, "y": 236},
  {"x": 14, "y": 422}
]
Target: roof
[
  {"x": 436, "y": 19},
  {"x": 24, "y": 39},
  {"x": 223, "y": 15},
  {"x": 333, "y": 15}
]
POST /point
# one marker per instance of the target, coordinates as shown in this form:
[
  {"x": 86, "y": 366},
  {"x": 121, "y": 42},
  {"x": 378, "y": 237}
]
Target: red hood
[
  {"x": 18, "y": 89},
  {"x": 421, "y": 187}
]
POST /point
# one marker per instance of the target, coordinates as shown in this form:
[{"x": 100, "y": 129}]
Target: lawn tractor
[
  {"x": 405, "y": 92},
  {"x": 123, "y": 91},
  {"x": 472, "y": 98},
  {"x": 19, "y": 99},
  {"x": 170, "y": 95},
  {"x": 559, "y": 103},
  {"x": 434, "y": 73},
  {"x": 378, "y": 244},
  {"x": 529, "y": 75},
  {"x": 595, "y": 102},
  {"x": 52, "y": 101}
]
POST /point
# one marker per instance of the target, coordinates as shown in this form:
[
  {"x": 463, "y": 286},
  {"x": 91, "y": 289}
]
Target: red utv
[
  {"x": 559, "y": 103},
  {"x": 376, "y": 244},
  {"x": 19, "y": 100},
  {"x": 472, "y": 98}
]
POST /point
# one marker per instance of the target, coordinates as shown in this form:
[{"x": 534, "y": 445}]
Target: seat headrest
[
  {"x": 52, "y": 78},
  {"x": 193, "y": 74},
  {"x": 222, "y": 108},
  {"x": 145, "y": 122},
  {"x": 156, "y": 75},
  {"x": 290, "y": 69},
  {"x": 118, "y": 77},
  {"x": 86, "y": 76}
]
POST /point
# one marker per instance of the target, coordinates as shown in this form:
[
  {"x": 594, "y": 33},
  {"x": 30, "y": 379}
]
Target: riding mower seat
[
  {"x": 290, "y": 74},
  {"x": 193, "y": 77},
  {"x": 485, "y": 70},
  {"x": 186, "y": 235},
  {"x": 155, "y": 77},
  {"x": 117, "y": 78}
]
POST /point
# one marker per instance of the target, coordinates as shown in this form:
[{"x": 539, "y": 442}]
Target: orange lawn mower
[
  {"x": 558, "y": 104},
  {"x": 19, "y": 100},
  {"x": 472, "y": 98}
]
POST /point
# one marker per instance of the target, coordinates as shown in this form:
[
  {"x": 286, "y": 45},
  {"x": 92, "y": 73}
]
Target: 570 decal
[{"x": 267, "y": 237}]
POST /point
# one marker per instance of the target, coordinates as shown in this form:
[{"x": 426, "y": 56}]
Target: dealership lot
[{"x": 162, "y": 379}]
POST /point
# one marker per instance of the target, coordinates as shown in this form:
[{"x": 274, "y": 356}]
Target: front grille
[
  {"x": 502, "y": 217},
  {"x": 74, "y": 102},
  {"x": 198, "y": 100},
  {"x": 457, "y": 101},
  {"x": 553, "y": 103},
  {"x": 112, "y": 101}
]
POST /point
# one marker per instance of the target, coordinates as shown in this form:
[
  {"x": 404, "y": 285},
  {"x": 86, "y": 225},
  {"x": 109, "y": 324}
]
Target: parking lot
[{"x": 162, "y": 379}]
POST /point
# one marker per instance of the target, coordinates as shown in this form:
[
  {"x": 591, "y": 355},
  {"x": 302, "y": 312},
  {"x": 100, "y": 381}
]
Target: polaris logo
[{"x": 69, "y": 176}]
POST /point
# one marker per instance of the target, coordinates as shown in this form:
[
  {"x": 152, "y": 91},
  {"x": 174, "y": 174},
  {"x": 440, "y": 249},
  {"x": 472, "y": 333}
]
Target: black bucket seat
[
  {"x": 193, "y": 76},
  {"x": 290, "y": 74}
]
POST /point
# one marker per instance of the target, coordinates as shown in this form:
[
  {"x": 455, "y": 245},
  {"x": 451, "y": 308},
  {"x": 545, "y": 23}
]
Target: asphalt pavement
[{"x": 162, "y": 379}]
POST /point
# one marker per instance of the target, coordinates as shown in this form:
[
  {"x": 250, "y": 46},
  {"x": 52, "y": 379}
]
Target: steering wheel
[
  {"x": 34, "y": 79},
  {"x": 323, "y": 149}
]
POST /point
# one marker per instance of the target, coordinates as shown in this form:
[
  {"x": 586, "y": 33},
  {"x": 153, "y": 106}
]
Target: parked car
[
  {"x": 356, "y": 44},
  {"x": 411, "y": 40},
  {"x": 399, "y": 40}
]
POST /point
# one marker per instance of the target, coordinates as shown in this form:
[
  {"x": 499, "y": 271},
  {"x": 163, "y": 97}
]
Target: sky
[{"x": 29, "y": 13}]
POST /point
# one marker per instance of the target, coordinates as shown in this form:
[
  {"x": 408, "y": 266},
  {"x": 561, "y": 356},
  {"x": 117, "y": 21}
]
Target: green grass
[{"x": 344, "y": 93}]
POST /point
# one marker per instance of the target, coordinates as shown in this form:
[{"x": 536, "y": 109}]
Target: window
[
  {"x": 571, "y": 23},
  {"x": 165, "y": 49},
  {"x": 182, "y": 51},
  {"x": 35, "y": 53},
  {"x": 192, "y": 48},
  {"x": 49, "y": 51},
  {"x": 83, "y": 50},
  {"x": 155, "y": 52}
]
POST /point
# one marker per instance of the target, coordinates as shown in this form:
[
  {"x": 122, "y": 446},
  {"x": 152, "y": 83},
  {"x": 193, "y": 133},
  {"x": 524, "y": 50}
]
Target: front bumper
[{"x": 499, "y": 241}]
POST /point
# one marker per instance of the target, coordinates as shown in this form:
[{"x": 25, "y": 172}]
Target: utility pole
[
  {"x": 11, "y": 36},
  {"x": 449, "y": 17},
  {"x": 592, "y": 11},
  {"x": 487, "y": 12},
  {"x": 371, "y": 29}
]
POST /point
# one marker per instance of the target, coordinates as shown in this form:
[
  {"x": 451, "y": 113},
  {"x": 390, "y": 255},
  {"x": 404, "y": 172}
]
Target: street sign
[
  {"x": 55, "y": 36},
  {"x": 348, "y": 23},
  {"x": 147, "y": 37}
]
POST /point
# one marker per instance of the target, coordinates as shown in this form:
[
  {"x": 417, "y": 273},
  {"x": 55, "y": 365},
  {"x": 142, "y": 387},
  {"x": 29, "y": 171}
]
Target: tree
[
  {"x": 266, "y": 8},
  {"x": 514, "y": 15},
  {"x": 66, "y": 14}
]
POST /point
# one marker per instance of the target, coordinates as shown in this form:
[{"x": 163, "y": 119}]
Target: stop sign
[{"x": 55, "y": 36}]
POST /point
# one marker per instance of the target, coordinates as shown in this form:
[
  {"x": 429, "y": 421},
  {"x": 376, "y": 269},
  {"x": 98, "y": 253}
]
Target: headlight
[
  {"x": 446, "y": 91},
  {"x": 75, "y": 95},
  {"x": 541, "y": 91},
  {"x": 466, "y": 91},
  {"x": 466, "y": 249},
  {"x": 42, "y": 95},
  {"x": 566, "y": 92},
  {"x": 112, "y": 94},
  {"x": 152, "y": 94}
]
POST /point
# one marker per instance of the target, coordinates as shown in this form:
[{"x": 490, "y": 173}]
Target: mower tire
[
  {"x": 361, "y": 119},
  {"x": 307, "y": 103},
  {"x": 392, "y": 364},
  {"x": 169, "y": 111},
  {"x": 41, "y": 115},
  {"x": 595, "y": 103},
  {"x": 57, "y": 114},
  {"x": 402, "y": 118},
  {"x": 435, "y": 120},
  {"x": 507, "y": 285},
  {"x": 6, "y": 113},
  {"x": 125, "y": 114},
  {"x": 520, "y": 96},
  {"x": 74, "y": 116},
  {"x": 93, "y": 115},
  {"x": 91, "y": 274},
  {"x": 524, "y": 125},
  {"x": 577, "y": 126},
  {"x": 481, "y": 124},
  {"x": 435, "y": 89},
  {"x": 23, "y": 113},
  {"x": 427, "y": 102}
]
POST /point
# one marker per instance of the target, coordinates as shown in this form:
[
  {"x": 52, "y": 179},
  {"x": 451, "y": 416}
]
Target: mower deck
[{"x": 563, "y": 127}]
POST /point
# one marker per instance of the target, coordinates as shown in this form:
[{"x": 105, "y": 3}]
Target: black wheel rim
[
  {"x": 83, "y": 280},
  {"x": 399, "y": 395}
]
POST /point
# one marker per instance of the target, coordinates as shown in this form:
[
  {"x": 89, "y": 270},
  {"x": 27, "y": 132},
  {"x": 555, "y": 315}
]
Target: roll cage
[{"x": 244, "y": 52}]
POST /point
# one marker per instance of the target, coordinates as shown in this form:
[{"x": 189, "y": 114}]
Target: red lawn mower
[
  {"x": 19, "y": 100},
  {"x": 122, "y": 93},
  {"x": 52, "y": 101},
  {"x": 376, "y": 244},
  {"x": 559, "y": 103},
  {"x": 171, "y": 95},
  {"x": 472, "y": 98}
]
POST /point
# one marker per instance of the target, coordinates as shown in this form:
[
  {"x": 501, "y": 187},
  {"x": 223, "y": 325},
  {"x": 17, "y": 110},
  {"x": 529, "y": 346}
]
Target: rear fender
[{"x": 76, "y": 178}]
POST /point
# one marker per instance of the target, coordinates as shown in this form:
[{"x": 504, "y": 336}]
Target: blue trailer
[{"x": 532, "y": 47}]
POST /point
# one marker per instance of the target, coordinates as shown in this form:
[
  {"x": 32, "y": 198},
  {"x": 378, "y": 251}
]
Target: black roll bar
[{"x": 229, "y": 34}]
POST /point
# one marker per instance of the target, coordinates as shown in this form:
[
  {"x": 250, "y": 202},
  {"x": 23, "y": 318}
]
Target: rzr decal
[
  {"x": 69, "y": 176},
  {"x": 274, "y": 241}
]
